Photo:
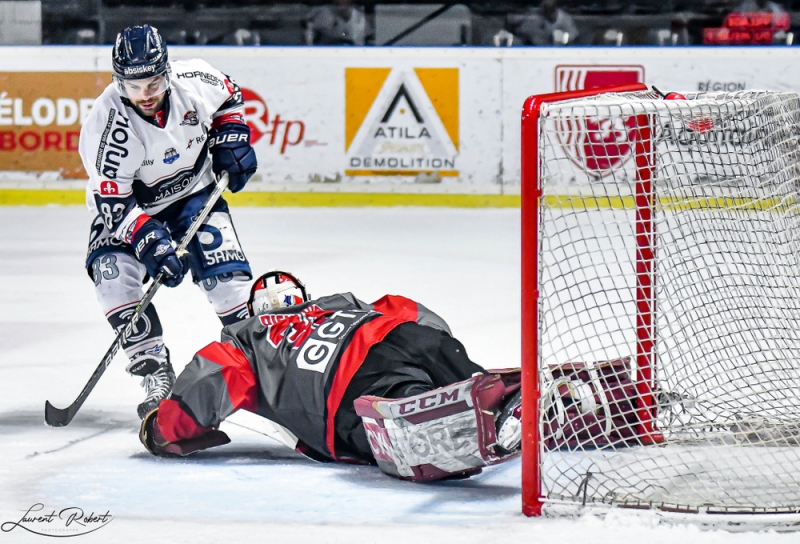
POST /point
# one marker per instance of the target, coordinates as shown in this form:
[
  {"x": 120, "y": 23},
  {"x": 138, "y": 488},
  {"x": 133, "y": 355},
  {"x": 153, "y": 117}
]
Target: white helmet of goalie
[{"x": 275, "y": 289}]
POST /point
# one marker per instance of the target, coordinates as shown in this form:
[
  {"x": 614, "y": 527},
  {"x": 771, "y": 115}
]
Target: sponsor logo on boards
[
  {"x": 401, "y": 121},
  {"x": 279, "y": 131},
  {"x": 599, "y": 145}
]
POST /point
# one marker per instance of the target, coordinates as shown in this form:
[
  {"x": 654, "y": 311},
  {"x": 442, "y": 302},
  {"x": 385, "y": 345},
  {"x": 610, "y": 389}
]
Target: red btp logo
[{"x": 256, "y": 115}]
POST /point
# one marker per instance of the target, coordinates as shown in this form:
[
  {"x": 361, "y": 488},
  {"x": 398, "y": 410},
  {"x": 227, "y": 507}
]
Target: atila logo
[{"x": 401, "y": 122}]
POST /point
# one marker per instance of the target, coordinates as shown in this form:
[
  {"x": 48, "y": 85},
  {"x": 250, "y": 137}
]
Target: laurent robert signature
[{"x": 71, "y": 521}]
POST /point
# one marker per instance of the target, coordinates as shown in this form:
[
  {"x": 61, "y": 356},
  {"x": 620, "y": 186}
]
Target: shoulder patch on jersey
[
  {"x": 190, "y": 118},
  {"x": 109, "y": 187}
]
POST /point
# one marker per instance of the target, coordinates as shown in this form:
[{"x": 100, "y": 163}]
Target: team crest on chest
[
  {"x": 170, "y": 155},
  {"x": 190, "y": 118}
]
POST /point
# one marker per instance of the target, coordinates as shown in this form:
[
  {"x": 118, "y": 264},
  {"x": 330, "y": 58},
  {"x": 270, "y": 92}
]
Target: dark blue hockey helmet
[
  {"x": 140, "y": 61},
  {"x": 139, "y": 52}
]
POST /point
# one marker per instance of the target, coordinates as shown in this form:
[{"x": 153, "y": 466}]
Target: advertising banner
[
  {"x": 369, "y": 119},
  {"x": 40, "y": 119},
  {"x": 545, "y": 70},
  {"x": 401, "y": 122}
]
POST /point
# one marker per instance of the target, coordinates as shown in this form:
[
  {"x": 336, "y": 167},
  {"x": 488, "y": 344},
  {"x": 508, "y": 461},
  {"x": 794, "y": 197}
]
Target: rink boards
[{"x": 344, "y": 120}]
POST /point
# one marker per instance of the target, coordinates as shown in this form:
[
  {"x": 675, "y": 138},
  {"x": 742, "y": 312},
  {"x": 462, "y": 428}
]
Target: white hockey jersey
[{"x": 136, "y": 166}]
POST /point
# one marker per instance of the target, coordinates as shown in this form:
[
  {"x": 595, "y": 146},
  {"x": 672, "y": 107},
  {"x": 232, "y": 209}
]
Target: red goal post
[{"x": 531, "y": 193}]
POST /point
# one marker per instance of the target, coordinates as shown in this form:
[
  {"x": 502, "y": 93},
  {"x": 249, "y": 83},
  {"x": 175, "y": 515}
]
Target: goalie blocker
[{"x": 317, "y": 367}]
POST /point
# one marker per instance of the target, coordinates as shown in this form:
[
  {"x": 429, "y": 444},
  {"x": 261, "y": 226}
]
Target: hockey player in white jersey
[{"x": 153, "y": 144}]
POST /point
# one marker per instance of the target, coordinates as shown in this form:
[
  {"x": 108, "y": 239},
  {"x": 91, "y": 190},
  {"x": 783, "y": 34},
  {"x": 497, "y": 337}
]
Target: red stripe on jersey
[
  {"x": 237, "y": 373},
  {"x": 175, "y": 424},
  {"x": 397, "y": 306},
  {"x": 132, "y": 303},
  {"x": 106, "y": 195},
  {"x": 227, "y": 118},
  {"x": 231, "y": 310},
  {"x": 397, "y": 310}
]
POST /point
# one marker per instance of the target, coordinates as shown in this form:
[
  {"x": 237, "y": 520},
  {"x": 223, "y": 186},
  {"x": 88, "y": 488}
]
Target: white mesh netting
[{"x": 726, "y": 310}]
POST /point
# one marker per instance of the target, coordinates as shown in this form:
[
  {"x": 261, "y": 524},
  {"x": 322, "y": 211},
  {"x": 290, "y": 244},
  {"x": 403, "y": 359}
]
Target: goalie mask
[{"x": 275, "y": 290}]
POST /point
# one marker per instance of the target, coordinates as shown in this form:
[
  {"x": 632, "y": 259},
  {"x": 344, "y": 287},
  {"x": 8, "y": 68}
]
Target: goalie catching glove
[
  {"x": 153, "y": 246},
  {"x": 231, "y": 152},
  {"x": 155, "y": 442},
  {"x": 595, "y": 406}
]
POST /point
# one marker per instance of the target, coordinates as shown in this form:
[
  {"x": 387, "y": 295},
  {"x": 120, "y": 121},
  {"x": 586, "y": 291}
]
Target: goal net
[{"x": 661, "y": 301}]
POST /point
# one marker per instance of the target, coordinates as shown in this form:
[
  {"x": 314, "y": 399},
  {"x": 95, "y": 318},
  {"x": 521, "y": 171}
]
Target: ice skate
[{"x": 157, "y": 374}]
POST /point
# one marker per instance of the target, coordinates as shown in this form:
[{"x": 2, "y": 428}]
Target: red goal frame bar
[{"x": 532, "y": 499}]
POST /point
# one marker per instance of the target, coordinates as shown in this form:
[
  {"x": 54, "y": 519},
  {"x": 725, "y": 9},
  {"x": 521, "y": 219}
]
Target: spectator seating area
[{"x": 503, "y": 23}]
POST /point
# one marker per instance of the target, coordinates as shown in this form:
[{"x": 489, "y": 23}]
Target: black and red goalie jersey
[{"x": 293, "y": 366}]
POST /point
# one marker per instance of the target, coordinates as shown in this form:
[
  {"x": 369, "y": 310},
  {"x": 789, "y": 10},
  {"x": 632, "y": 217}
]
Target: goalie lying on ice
[{"x": 381, "y": 383}]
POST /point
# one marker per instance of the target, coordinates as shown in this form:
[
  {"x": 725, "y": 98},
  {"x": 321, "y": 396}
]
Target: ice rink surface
[{"x": 463, "y": 264}]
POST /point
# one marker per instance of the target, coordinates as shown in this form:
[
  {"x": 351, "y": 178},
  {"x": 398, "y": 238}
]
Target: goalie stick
[{"x": 60, "y": 417}]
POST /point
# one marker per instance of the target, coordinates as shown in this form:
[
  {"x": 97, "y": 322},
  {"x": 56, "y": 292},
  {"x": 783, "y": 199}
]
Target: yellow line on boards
[
  {"x": 66, "y": 197},
  {"x": 44, "y": 197},
  {"x": 670, "y": 203},
  {"x": 389, "y": 173},
  {"x": 372, "y": 199},
  {"x": 41, "y": 197}
]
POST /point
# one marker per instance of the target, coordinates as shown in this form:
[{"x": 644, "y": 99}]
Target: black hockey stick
[{"x": 60, "y": 417}]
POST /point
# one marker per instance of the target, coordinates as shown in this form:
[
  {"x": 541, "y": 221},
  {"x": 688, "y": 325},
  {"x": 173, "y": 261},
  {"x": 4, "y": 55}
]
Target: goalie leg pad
[{"x": 447, "y": 432}]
